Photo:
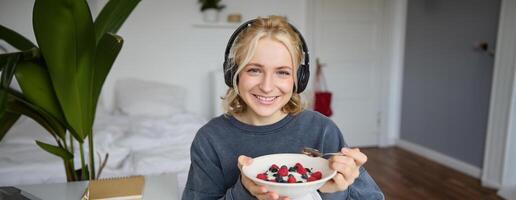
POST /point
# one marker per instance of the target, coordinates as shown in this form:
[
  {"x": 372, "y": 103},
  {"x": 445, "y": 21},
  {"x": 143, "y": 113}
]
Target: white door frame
[
  {"x": 395, "y": 14},
  {"x": 502, "y": 109}
]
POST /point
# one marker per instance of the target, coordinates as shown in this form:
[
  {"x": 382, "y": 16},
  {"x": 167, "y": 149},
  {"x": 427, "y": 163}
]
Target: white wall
[
  {"x": 162, "y": 44},
  {"x": 17, "y": 15}
]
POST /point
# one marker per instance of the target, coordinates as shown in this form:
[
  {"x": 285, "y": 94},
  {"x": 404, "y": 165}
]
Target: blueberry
[
  {"x": 279, "y": 179},
  {"x": 292, "y": 169},
  {"x": 275, "y": 175},
  {"x": 304, "y": 176}
]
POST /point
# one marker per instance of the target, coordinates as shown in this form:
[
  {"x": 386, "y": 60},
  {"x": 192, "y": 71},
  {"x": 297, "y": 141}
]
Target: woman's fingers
[
  {"x": 244, "y": 160},
  {"x": 341, "y": 182},
  {"x": 267, "y": 196},
  {"x": 260, "y": 192},
  {"x": 359, "y": 157}
]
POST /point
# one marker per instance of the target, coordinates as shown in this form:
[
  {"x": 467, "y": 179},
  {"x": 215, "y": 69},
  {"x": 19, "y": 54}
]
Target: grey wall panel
[{"x": 446, "y": 83}]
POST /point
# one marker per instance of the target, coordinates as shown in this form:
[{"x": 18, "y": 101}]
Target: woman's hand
[
  {"x": 347, "y": 167},
  {"x": 259, "y": 191}
]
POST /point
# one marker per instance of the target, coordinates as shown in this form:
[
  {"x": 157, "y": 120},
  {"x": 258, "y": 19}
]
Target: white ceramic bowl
[{"x": 291, "y": 190}]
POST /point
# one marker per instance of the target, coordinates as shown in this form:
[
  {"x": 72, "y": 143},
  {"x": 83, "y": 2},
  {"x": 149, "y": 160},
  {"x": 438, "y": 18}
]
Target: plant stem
[
  {"x": 83, "y": 166},
  {"x": 65, "y": 144},
  {"x": 91, "y": 155},
  {"x": 72, "y": 161},
  {"x": 71, "y": 144},
  {"x": 69, "y": 171}
]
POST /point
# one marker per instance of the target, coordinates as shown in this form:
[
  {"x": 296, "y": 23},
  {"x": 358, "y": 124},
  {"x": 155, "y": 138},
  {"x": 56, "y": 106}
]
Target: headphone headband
[{"x": 230, "y": 68}]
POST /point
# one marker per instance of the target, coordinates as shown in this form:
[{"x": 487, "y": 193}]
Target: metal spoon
[{"x": 316, "y": 153}]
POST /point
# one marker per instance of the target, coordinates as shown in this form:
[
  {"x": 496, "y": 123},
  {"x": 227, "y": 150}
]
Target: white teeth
[{"x": 265, "y": 98}]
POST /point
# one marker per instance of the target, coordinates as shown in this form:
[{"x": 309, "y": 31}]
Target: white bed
[{"x": 139, "y": 140}]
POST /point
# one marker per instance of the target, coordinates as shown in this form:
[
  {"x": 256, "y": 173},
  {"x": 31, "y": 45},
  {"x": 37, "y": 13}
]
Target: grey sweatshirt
[{"x": 214, "y": 173}]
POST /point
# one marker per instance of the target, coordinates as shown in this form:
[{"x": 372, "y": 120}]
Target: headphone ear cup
[{"x": 303, "y": 75}]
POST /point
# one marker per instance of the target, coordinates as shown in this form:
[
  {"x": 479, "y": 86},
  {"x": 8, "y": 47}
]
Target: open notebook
[{"x": 126, "y": 188}]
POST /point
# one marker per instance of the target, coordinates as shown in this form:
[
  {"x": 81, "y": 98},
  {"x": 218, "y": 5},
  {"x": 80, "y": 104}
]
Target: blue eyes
[
  {"x": 284, "y": 73},
  {"x": 254, "y": 70},
  {"x": 257, "y": 71}
]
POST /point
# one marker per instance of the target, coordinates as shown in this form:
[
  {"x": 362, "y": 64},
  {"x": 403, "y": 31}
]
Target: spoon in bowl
[{"x": 316, "y": 153}]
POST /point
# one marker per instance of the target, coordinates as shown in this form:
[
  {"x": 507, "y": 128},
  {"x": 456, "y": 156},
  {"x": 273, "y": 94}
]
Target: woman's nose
[{"x": 267, "y": 84}]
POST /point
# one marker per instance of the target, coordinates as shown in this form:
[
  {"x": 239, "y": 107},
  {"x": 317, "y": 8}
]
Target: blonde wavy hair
[{"x": 278, "y": 29}]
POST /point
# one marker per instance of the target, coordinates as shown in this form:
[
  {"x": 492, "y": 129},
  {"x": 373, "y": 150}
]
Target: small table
[{"x": 156, "y": 187}]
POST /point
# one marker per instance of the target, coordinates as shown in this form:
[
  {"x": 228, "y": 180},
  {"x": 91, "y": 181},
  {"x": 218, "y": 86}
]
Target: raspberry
[
  {"x": 274, "y": 168},
  {"x": 262, "y": 176},
  {"x": 283, "y": 171},
  {"x": 291, "y": 179},
  {"x": 301, "y": 170},
  {"x": 289, "y": 173},
  {"x": 311, "y": 178},
  {"x": 299, "y": 165},
  {"x": 317, "y": 175}
]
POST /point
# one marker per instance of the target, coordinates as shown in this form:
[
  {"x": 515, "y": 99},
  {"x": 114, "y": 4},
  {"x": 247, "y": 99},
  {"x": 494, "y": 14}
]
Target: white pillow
[{"x": 146, "y": 98}]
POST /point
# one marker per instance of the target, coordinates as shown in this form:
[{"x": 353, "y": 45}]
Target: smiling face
[{"x": 265, "y": 84}]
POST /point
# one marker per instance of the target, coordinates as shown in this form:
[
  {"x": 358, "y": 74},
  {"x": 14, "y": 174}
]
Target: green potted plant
[
  {"x": 61, "y": 77},
  {"x": 210, "y": 9}
]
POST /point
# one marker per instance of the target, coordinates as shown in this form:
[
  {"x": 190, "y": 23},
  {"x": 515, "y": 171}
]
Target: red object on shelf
[{"x": 322, "y": 98}]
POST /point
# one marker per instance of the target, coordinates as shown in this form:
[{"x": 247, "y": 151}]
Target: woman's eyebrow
[
  {"x": 255, "y": 64},
  {"x": 284, "y": 67},
  {"x": 261, "y": 66}
]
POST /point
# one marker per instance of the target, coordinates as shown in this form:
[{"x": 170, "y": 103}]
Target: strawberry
[
  {"x": 262, "y": 176},
  {"x": 291, "y": 179},
  {"x": 283, "y": 171},
  {"x": 317, "y": 175},
  {"x": 311, "y": 178}
]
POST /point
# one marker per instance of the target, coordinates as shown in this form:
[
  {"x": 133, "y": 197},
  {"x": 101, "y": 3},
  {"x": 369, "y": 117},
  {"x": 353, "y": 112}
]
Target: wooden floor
[{"x": 404, "y": 175}]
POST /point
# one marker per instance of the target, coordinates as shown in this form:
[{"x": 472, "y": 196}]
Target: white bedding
[{"x": 136, "y": 146}]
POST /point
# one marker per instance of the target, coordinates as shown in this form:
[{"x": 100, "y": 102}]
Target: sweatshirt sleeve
[
  {"x": 206, "y": 179},
  {"x": 364, "y": 187}
]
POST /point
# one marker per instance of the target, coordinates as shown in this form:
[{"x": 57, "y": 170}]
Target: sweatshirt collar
[{"x": 260, "y": 129}]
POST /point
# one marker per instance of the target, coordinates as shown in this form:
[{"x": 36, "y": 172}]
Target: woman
[{"x": 264, "y": 115}]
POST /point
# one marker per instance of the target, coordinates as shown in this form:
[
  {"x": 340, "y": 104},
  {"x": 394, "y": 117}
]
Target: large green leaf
[
  {"x": 7, "y": 67},
  {"x": 65, "y": 33},
  {"x": 37, "y": 87},
  {"x": 6, "y": 122},
  {"x": 17, "y": 104},
  {"x": 112, "y": 16},
  {"x": 8, "y": 63},
  {"x": 14, "y": 39},
  {"x": 61, "y": 152},
  {"x": 107, "y": 51},
  {"x": 3, "y": 102}
]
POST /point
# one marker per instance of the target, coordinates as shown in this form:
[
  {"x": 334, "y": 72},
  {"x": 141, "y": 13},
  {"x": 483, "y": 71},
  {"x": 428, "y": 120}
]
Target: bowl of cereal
[{"x": 289, "y": 175}]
